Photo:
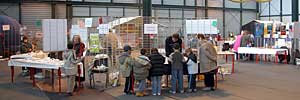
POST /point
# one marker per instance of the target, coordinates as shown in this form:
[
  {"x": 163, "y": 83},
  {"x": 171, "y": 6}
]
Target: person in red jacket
[{"x": 79, "y": 48}]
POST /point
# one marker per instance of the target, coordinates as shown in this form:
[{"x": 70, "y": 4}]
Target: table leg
[
  {"x": 52, "y": 77},
  {"x": 256, "y": 58},
  {"x": 12, "y": 70},
  {"x": 32, "y": 75},
  {"x": 285, "y": 57},
  {"x": 79, "y": 72},
  {"x": 265, "y": 58},
  {"x": 276, "y": 58},
  {"x": 59, "y": 80},
  {"x": 232, "y": 63},
  {"x": 226, "y": 58}
]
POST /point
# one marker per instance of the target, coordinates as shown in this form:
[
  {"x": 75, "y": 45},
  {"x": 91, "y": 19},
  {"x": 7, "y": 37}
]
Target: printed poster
[
  {"x": 259, "y": 29},
  {"x": 94, "y": 43}
]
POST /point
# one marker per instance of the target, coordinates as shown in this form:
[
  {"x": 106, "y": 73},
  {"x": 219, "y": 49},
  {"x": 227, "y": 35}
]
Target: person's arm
[
  {"x": 170, "y": 58},
  {"x": 75, "y": 61},
  {"x": 180, "y": 43}
]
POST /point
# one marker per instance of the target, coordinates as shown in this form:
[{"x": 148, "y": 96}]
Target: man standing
[{"x": 169, "y": 43}]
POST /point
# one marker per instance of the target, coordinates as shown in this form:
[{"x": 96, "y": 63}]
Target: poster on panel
[
  {"x": 150, "y": 29},
  {"x": 94, "y": 43},
  {"x": 204, "y": 26}
]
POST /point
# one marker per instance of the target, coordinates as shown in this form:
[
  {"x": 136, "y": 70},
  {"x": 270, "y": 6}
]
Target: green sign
[
  {"x": 214, "y": 23},
  {"x": 38, "y": 23},
  {"x": 94, "y": 43}
]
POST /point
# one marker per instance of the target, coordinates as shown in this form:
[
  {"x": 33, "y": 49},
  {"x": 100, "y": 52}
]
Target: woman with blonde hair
[{"x": 79, "y": 48}]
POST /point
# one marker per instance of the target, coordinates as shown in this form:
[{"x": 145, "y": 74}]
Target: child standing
[
  {"x": 156, "y": 71},
  {"x": 192, "y": 67},
  {"x": 70, "y": 68},
  {"x": 177, "y": 59}
]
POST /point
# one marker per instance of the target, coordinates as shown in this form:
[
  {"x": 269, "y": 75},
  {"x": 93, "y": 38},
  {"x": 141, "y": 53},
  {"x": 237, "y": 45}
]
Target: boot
[{"x": 139, "y": 94}]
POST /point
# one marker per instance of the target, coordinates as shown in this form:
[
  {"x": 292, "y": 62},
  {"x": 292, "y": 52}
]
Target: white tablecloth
[
  {"x": 37, "y": 63},
  {"x": 225, "y": 53},
  {"x": 254, "y": 50}
]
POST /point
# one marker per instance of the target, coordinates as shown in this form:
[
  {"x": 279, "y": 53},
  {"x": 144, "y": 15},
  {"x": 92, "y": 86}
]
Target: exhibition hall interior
[{"x": 149, "y": 50}]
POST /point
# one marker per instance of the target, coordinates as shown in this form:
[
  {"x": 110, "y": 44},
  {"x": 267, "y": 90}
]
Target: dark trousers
[
  {"x": 129, "y": 84},
  {"x": 192, "y": 81},
  {"x": 209, "y": 79}
]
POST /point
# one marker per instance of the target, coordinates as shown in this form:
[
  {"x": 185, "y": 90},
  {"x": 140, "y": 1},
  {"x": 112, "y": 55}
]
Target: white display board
[
  {"x": 103, "y": 29},
  {"x": 203, "y": 26},
  {"x": 54, "y": 34},
  {"x": 150, "y": 29}
]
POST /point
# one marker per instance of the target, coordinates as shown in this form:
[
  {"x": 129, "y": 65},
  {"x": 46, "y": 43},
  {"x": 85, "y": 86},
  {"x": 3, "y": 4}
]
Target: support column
[
  {"x": 206, "y": 9},
  {"x": 224, "y": 22},
  {"x": 280, "y": 10},
  {"x": 147, "y": 13},
  {"x": 295, "y": 18},
  {"x": 241, "y": 16},
  {"x": 295, "y": 10}
]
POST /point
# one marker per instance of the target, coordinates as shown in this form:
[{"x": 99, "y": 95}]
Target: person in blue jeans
[
  {"x": 156, "y": 71},
  {"x": 177, "y": 59},
  {"x": 192, "y": 67}
]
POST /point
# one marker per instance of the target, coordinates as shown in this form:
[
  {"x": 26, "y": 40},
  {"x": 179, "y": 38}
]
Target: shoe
[
  {"x": 206, "y": 89},
  {"x": 70, "y": 94},
  {"x": 139, "y": 94},
  {"x": 24, "y": 74},
  {"x": 153, "y": 94},
  {"x": 212, "y": 89},
  {"x": 39, "y": 76},
  {"x": 182, "y": 91},
  {"x": 189, "y": 90},
  {"x": 173, "y": 92},
  {"x": 194, "y": 90},
  {"x": 158, "y": 94},
  {"x": 145, "y": 93}
]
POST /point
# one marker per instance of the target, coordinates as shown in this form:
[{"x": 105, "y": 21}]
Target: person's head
[
  {"x": 70, "y": 45},
  {"x": 200, "y": 36},
  {"x": 154, "y": 51},
  {"x": 176, "y": 46},
  {"x": 76, "y": 39},
  {"x": 175, "y": 37},
  {"x": 25, "y": 39},
  {"x": 143, "y": 51},
  {"x": 188, "y": 51},
  {"x": 127, "y": 48}
]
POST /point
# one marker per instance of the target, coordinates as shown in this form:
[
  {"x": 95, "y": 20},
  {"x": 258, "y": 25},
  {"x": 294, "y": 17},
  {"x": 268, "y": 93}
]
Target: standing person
[
  {"x": 141, "y": 72},
  {"x": 208, "y": 63},
  {"x": 79, "y": 49},
  {"x": 126, "y": 66},
  {"x": 192, "y": 67},
  {"x": 177, "y": 59},
  {"x": 156, "y": 71},
  {"x": 237, "y": 44},
  {"x": 26, "y": 47},
  {"x": 70, "y": 67},
  {"x": 169, "y": 44},
  {"x": 246, "y": 41}
]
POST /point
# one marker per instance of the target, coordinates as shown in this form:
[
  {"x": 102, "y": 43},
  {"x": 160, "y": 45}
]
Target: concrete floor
[{"x": 250, "y": 82}]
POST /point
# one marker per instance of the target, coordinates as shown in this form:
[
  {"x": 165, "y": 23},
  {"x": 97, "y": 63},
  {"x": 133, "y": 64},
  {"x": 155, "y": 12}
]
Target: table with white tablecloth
[
  {"x": 36, "y": 63},
  {"x": 263, "y": 51}
]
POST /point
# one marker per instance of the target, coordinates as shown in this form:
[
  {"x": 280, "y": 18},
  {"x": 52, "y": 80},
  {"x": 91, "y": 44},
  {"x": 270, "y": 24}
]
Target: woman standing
[
  {"x": 156, "y": 70},
  {"x": 208, "y": 63},
  {"x": 79, "y": 49}
]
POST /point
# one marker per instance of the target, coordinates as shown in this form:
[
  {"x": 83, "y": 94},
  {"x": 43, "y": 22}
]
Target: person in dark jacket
[
  {"x": 177, "y": 59},
  {"x": 156, "y": 70},
  {"x": 169, "y": 44}
]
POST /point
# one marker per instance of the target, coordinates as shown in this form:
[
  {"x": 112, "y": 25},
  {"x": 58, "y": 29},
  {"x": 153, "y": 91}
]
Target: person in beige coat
[
  {"x": 69, "y": 68},
  {"x": 208, "y": 62}
]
